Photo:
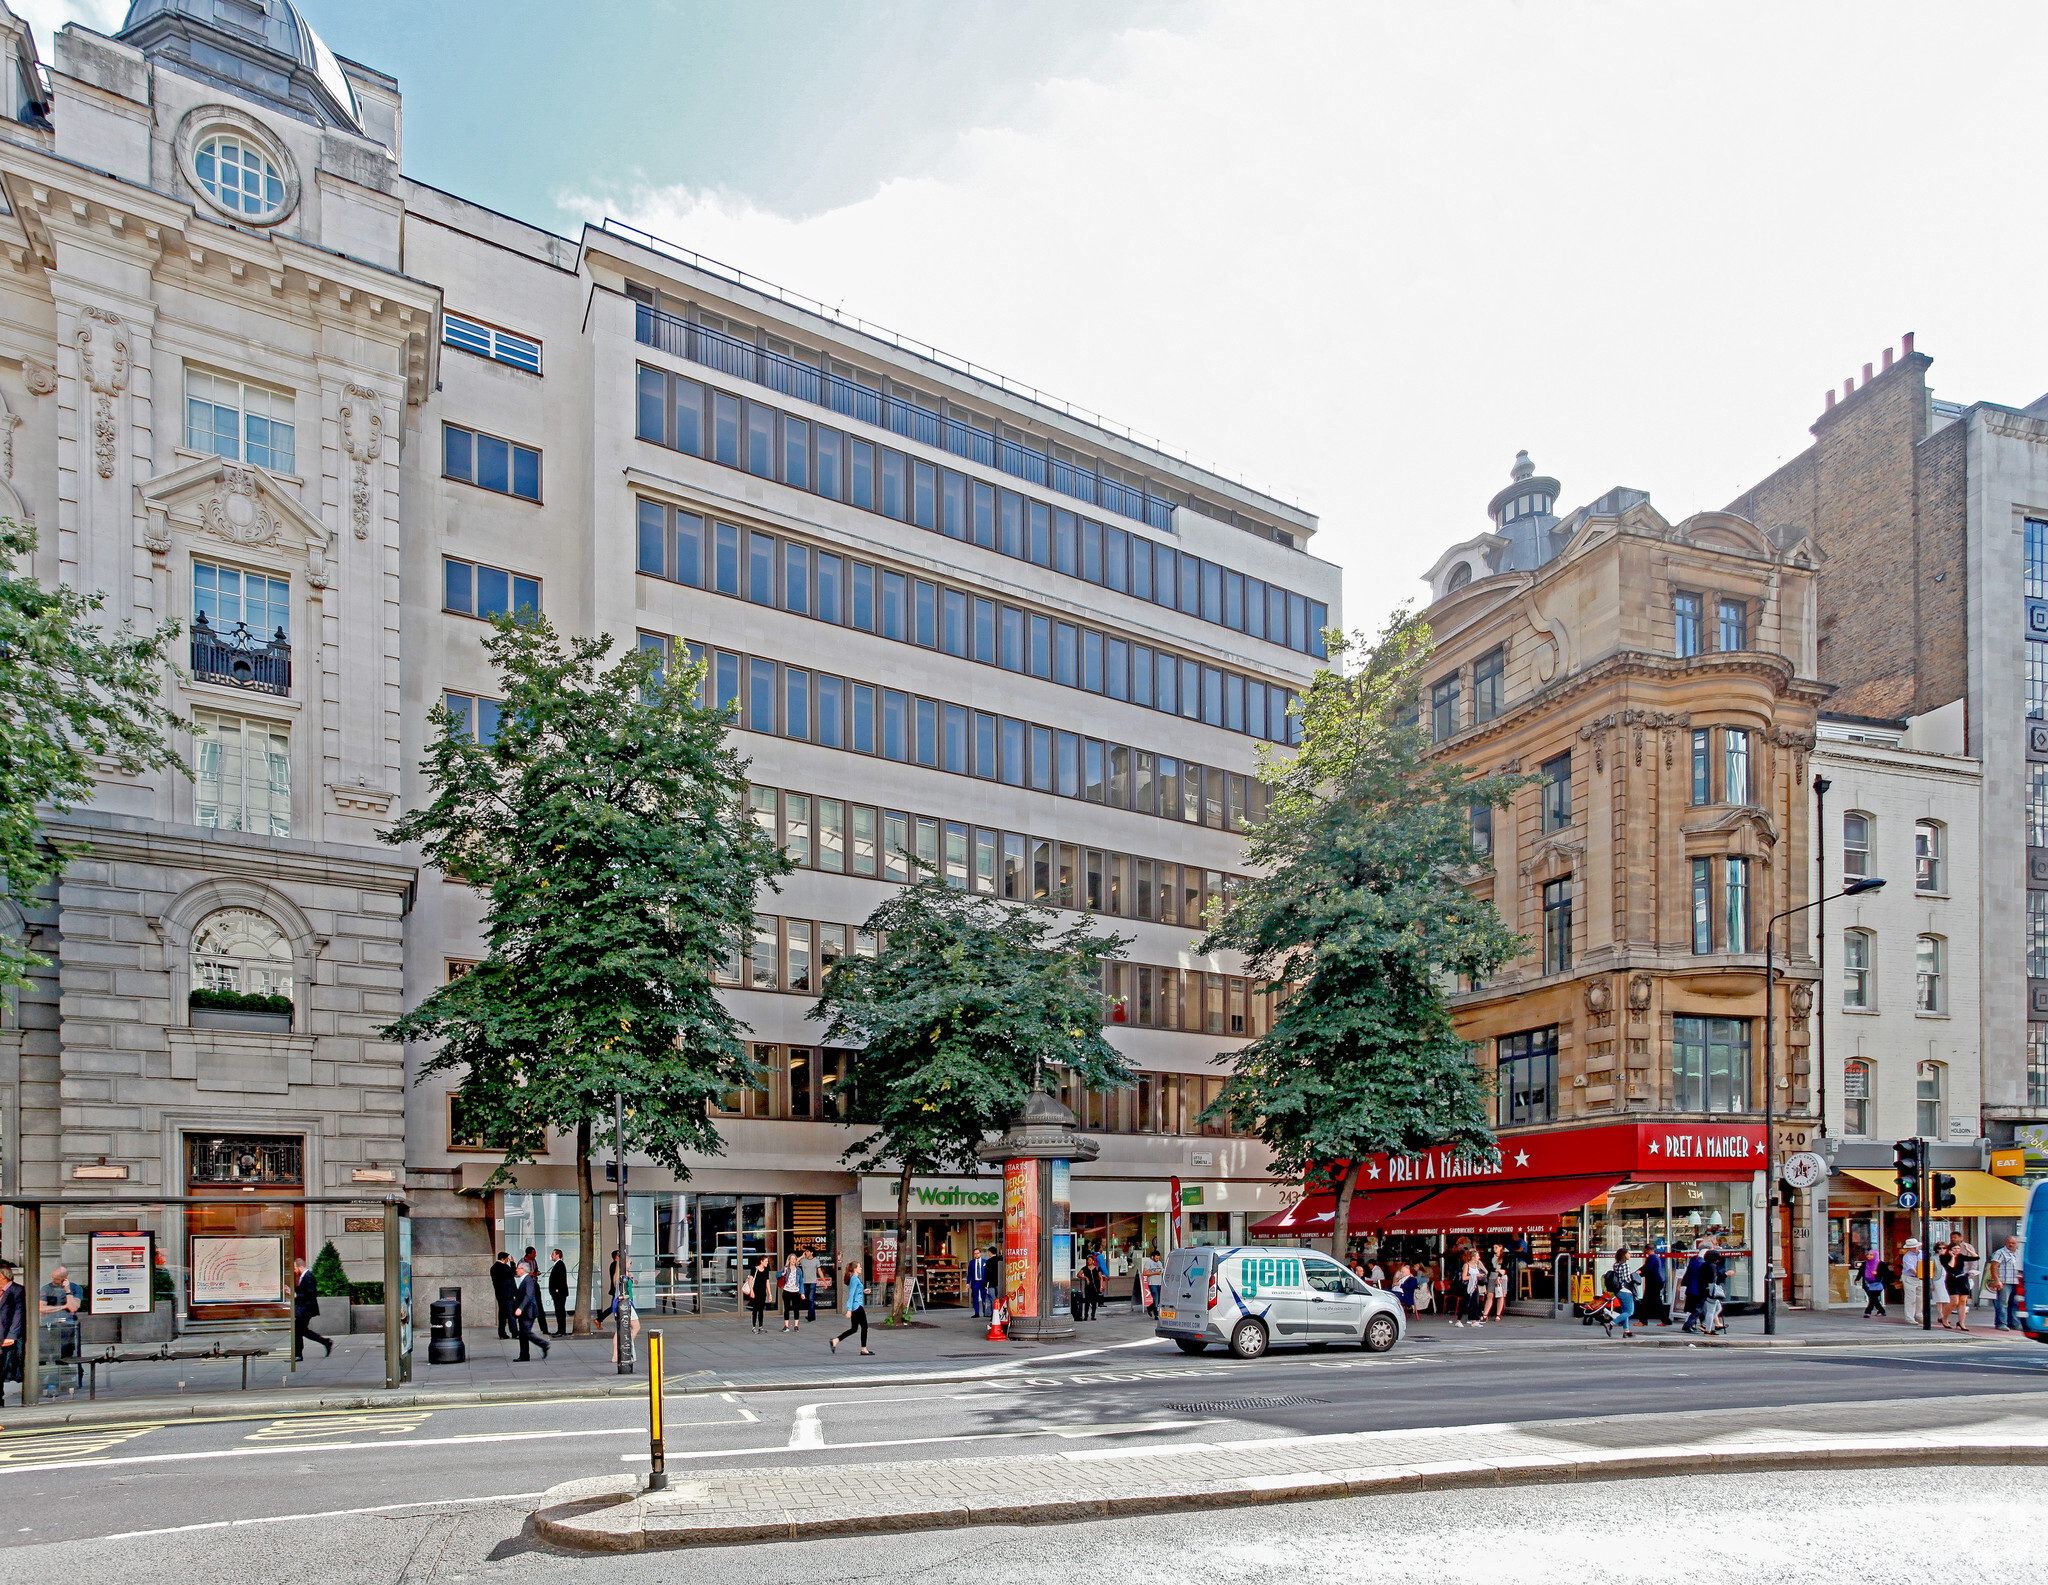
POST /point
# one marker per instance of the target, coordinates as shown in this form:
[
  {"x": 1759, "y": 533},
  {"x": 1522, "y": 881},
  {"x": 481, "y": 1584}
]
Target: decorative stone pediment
[
  {"x": 1746, "y": 830},
  {"x": 1555, "y": 857},
  {"x": 241, "y": 504}
]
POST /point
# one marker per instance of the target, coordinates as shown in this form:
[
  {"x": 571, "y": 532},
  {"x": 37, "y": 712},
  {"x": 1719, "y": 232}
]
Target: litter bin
[{"x": 444, "y": 1316}]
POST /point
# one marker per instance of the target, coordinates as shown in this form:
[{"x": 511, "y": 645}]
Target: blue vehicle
[{"x": 2034, "y": 1266}]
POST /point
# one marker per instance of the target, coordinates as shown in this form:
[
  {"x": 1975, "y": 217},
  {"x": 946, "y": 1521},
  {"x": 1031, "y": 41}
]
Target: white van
[{"x": 1254, "y": 1298}]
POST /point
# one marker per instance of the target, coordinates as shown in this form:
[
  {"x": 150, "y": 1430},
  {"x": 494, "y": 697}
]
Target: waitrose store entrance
[{"x": 950, "y": 1218}]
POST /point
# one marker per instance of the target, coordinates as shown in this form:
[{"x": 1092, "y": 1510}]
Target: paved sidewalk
[
  {"x": 719, "y": 1353},
  {"x": 611, "y": 1513}
]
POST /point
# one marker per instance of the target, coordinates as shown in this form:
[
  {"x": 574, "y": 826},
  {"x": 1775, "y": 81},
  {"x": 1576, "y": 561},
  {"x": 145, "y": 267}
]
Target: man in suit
[
  {"x": 977, "y": 1280},
  {"x": 13, "y": 1331},
  {"x": 504, "y": 1283},
  {"x": 526, "y": 1307},
  {"x": 558, "y": 1290},
  {"x": 305, "y": 1311}
]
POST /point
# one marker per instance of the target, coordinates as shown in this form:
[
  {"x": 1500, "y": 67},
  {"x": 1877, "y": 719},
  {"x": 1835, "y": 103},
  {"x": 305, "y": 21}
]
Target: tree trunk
[
  {"x": 1346, "y": 1187},
  {"x": 586, "y": 1236},
  {"x": 906, "y": 1250}
]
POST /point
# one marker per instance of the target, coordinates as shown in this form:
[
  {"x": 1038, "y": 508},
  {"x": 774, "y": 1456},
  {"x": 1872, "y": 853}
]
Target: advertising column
[
  {"x": 1020, "y": 1239},
  {"x": 1037, "y": 1153}
]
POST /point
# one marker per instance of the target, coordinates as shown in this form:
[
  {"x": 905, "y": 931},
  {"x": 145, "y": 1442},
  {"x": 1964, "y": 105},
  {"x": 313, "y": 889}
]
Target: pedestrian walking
[
  {"x": 2005, "y": 1271},
  {"x": 527, "y": 1312},
  {"x": 1957, "y": 1262},
  {"x": 1874, "y": 1275},
  {"x": 1621, "y": 1280},
  {"x": 1690, "y": 1286},
  {"x": 807, "y": 1269},
  {"x": 856, "y": 1309},
  {"x": 1471, "y": 1278},
  {"x": 1713, "y": 1290},
  {"x": 791, "y": 1283},
  {"x": 977, "y": 1281},
  {"x": 611, "y": 1286},
  {"x": 1497, "y": 1283},
  {"x": 1655, "y": 1272},
  {"x": 1913, "y": 1275},
  {"x": 305, "y": 1311},
  {"x": 558, "y": 1290},
  {"x": 504, "y": 1286},
  {"x": 755, "y": 1291},
  {"x": 13, "y": 1332}
]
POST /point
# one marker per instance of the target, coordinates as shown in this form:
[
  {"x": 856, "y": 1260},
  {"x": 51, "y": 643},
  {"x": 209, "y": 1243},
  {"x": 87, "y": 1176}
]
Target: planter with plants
[
  {"x": 331, "y": 1282},
  {"x": 366, "y": 1307},
  {"x": 211, "y": 1009}
]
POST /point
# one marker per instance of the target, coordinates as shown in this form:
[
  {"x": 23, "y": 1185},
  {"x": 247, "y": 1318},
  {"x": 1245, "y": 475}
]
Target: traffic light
[
  {"x": 1944, "y": 1191},
  {"x": 1908, "y": 1158}
]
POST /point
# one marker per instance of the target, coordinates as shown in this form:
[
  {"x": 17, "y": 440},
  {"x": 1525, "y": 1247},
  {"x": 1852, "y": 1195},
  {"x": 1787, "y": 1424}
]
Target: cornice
[
  {"x": 2010, "y": 425},
  {"x": 232, "y": 852}
]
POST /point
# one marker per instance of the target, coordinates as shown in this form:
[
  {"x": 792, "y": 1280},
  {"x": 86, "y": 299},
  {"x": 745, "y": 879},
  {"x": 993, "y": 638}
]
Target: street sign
[{"x": 1806, "y": 1170}]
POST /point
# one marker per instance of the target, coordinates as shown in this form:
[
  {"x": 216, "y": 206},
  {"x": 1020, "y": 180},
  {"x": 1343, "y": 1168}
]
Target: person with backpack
[
  {"x": 1621, "y": 1282},
  {"x": 1713, "y": 1290},
  {"x": 1874, "y": 1275},
  {"x": 1691, "y": 1286}
]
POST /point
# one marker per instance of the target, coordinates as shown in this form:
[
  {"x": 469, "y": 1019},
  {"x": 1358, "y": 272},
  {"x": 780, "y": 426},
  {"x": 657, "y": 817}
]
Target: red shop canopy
[
  {"x": 1500, "y": 1207},
  {"x": 1315, "y": 1215}
]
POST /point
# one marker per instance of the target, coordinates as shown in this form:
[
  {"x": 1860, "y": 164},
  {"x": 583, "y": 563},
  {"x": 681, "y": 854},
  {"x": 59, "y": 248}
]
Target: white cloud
[
  {"x": 1364, "y": 254},
  {"x": 47, "y": 16}
]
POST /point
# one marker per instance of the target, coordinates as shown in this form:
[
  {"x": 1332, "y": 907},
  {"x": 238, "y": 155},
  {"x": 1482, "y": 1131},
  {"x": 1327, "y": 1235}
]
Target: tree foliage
[
  {"x": 606, "y": 830},
  {"x": 1364, "y": 912},
  {"x": 71, "y": 694},
  {"x": 966, "y": 1004}
]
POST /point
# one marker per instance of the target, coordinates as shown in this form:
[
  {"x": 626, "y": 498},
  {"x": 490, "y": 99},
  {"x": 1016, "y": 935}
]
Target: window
[
  {"x": 1460, "y": 576},
  {"x": 487, "y": 341},
  {"x": 244, "y": 775},
  {"x": 472, "y": 715},
  {"x": 1859, "y": 954},
  {"x": 1557, "y": 926},
  {"x": 472, "y": 589},
  {"x": 1685, "y": 614},
  {"x": 490, "y": 463},
  {"x": 1489, "y": 684},
  {"x": 2037, "y": 679},
  {"x": 1734, "y": 624},
  {"x": 235, "y": 603},
  {"x": 1702, "y": 767},
  {"x": 1856, "y": 1099},
  {"x": 1443, "y": 708},
  {"x": 1928, "y": 873},
  {"x": 1710, "y": 1064},
  {"x": 2037, "y": 1057},
  {"x": 2037, "y": 559},
  {"x": 245, "y": 423},
  {"x": 1735, "y": 923},
  {"x": 1703, "y": 905},
  {"x": 2037, "y": 806},
  {"x": 1526, "y": 1070},
  {"x": 2037, "y": 935},
  {"x": 1482, "y": 831},
  {"x": 238, "y": 175},
  {"x": 1930, "y": 993},
  {"x": 1855, "y": 846},
  {"x": 1930, "y": 1101},
  {"x": 1735, "y": 788},
  {"x": 671, "y": 544},
  {"x": 1557, "y": 793},
  {"x": 242, "y": 951}
]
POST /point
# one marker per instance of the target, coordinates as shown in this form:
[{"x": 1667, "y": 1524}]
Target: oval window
[{"x": 238, "y": 175}]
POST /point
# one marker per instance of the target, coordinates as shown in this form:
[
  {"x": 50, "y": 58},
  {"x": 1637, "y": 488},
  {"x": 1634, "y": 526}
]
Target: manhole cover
[{"x": 1242, "y": 1403}]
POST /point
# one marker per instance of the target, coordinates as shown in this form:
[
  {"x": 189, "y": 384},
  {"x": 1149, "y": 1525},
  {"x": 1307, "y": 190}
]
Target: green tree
[
  {"x": 957, "y": 1017},
  {"x": 71, "y": 693},
  {"x": 330, "y": 1278},
  {"x": 1363, "y": 915},
  {"x": 606, "y": 829}
]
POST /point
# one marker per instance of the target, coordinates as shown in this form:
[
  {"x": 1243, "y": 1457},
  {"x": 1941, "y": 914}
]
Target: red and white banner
[{"x": 1174, "y": 1238}]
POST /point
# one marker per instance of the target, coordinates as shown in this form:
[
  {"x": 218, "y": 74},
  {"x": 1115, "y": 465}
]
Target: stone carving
[
  {"x": 319, "y": 572},
  {"x": 156, "y": 532},
  {"x": 362, "y": 437},
  {"x": 38, "y": 376},
  {"x": 1595, "y": 732},
  {"x": 10, "y": 421},
  {"x": 102, "y": 345},
  {"x": 1640, "y": 988},
  {"x": 235, "y": 511},
  {"x": 1599, "y": 996}
]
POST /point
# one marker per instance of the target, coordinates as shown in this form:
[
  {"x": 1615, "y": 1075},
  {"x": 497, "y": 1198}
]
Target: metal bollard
[{"x": 657, "y": 1475}]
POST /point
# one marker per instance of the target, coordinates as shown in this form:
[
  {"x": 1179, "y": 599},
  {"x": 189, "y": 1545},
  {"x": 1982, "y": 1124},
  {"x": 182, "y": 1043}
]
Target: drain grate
[{"x": 1242, "y": 1403}]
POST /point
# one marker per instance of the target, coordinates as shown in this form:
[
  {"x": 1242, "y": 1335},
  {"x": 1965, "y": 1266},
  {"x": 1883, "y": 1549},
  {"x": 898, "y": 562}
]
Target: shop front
[
  {"x": 1864, "y": 1216},
  {"x": 950, "y": 1219},
  {"x": 1562, "y": 1203}
]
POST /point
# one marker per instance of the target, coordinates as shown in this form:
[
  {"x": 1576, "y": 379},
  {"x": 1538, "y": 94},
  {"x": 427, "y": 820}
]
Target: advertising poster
[
  {"x": 229, "y": 1269},
  {"x": 120, "y": 1273},
  {"x": 884, "y": 1247},
  {"x": 1062, "y": 1237},
  {"x": 1020, "y": 1236}
]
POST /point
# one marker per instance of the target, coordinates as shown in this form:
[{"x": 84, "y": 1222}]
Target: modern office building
[{"x": 269, "y": 381}]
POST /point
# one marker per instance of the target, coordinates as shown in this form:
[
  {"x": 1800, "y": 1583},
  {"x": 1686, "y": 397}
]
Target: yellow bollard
[{"x": 657, "y": 1477}]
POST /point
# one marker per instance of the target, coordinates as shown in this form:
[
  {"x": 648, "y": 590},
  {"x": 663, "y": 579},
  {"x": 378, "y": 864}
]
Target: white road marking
[
  {"x": 926, "y": 1441},
  {"x": 806, "y": 1431},
  {"x": 330, "y": 1513}
]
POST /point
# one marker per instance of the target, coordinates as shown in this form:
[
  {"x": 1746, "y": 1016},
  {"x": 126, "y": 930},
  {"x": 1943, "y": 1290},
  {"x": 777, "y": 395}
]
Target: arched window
[
  {"x": 1930, "y": 1101},
  {"x": 1930, "y": 975},
  {"x": 1855, "y": 846},
  {"x": 238, "y": 175},
  {"x": 1859, "y": 990},
  {"x": 1460, "y": 576},
  {"x": 1930, "y": 873},
  {"x": 1856, "y": 1101},
  {"x": 243, "y": 952}
]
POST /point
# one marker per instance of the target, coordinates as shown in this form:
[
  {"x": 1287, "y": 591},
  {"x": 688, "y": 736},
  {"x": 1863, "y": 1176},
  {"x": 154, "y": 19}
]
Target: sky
[{"x": 1357, "y": 255}]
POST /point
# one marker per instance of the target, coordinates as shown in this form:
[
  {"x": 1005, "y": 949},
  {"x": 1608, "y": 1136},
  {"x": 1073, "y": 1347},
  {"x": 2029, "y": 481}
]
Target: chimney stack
[
  {"x": 1906, "y": 346},
  {"x": 1848, "y": 388},
  {"x": 1887, "y": 357},
  {"x": 1831, "y": 398},
  {"x": 1866, "y": 374}
]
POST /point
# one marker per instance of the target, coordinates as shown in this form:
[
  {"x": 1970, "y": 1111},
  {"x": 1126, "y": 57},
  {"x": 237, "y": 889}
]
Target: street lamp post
[{"x": 1869, "y": 883}]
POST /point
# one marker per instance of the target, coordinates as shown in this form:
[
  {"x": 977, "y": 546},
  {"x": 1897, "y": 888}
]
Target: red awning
[
  {"x": 1315, "y": 1215},
  {"x": 1499, "y": 1207}
]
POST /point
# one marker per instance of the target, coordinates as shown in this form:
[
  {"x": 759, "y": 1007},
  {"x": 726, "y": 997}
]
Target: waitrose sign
[{"x": 979, "y": 1197}]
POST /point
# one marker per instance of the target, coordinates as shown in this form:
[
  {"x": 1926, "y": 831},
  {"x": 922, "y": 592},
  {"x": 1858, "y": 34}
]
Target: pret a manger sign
[{"x": 1646, "y": 1152}]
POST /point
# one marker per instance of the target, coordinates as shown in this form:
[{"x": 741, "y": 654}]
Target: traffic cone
[{"x": 998, "y": 1323}]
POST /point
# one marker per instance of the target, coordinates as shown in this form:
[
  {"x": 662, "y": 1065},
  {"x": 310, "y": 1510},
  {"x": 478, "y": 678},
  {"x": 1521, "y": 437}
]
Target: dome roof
[{"x": 241, "y": 42}]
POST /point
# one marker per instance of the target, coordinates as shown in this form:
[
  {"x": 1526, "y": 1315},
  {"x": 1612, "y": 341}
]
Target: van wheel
[
  {"x": 1248, "y": 1339},
  {"x": 1380, "y": 1333},
  {"x": 1190, "y": 1345}
]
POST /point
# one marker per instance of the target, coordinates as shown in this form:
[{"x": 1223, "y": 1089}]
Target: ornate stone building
[{"x": 1657, "y": 681}]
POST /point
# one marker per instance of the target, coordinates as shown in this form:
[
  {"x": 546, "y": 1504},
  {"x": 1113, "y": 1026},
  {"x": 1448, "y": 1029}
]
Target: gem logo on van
[{"x": 1255, "y": 1272}]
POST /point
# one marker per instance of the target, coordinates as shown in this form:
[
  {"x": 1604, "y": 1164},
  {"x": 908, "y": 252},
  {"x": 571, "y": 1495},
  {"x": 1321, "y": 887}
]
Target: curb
[
  {"x": 703, "y": 1382},
  {"x": 608, "y": 1513}
]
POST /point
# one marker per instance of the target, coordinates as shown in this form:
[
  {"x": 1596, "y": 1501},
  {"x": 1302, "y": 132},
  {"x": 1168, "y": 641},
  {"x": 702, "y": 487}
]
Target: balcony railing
[
  {"x": 744, "y": 361},
  {"x": 237, "y": 658}
]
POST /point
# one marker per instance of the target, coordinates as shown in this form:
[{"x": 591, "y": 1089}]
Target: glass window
[
  {"x": 1012, "y": 526},
  {"x": 796, "y": 829},
  {"x": 861, "y": 596},
  {"x": 1928, "y": 972},
  {"x": 1734, "y": 616},
  {"x": 832, "y": 835},
  {"x": 1856, "y": 1099},
  {"x": 1482, "y": 831},
  {"x": 1855, "y": 846},
  {"x": 1685, "y": 615},
  {"x": 796, "y": 703},
  {"x": 894, "y": 484},
  {"x": 953, "y": 629},
  {"x": 1526, "y": 1076},
  {"x": 894, "y": 595},
  {"x": 863, "y": 718},
  {"x": 1116, "y": 559},
  {"x": 1489, "y": 684},
  {"x": 895, "y": 724},
  {"x": 895, "y": 845},
  {"x": 241, "y": 950},
  {"x": 1710, "y": 1064},
  {"x": 1141, "y": 675},
  {"x": 1091, "y": 551},
  {"x": 234, "y": 603},
  {"x": 1141, "y": 568},
  {"x": 1093, "y": 770},
  {"x": 925, "y": 603},
  {"x": 238, "y": 175},
  {"x": 1702, "y": 766},
  {"x": 1703, "y": 905},
  {"x": 2037, "y": 679},
  {"x": 1557, "y": 793},
  {"x": 1040, "y": 546},
  {"x": 956, "y": 739},
  {"x": 1930, "y": 1101},
  {"x": 985, "y": 632},
  {"x": 1041, "y": 758},
  {"x": 829, "y": 573},
  {"x": 1116, "y": 669},
  {"x": 829, "y": 476},
  {"x": 1255, "y": 714},
  {"x": 653, "y": 411},
  {"x": 725, "y": 429},
  {"x": 1063, "y": 548},
  {"x": 725, "y": 559},
  {"x": 1928, "y": 872},
  {"x": 1091, "y": 660},
  {"x": 253, "y": 423},
  {"x": 956, "y": 855},
  {"x": 1212, "y": 696},
  {"x": 1735, "y": 784},
  {"x": 796, "y": 578},
  {"x": 1013, "y": 766},
  {"x": 2037, "y": 1062},
  {"x": 860, "y": 474},
  {"x": 764, "y": 961},
  {"x": 796, "y": 453},
  {"x": 984, "y": 525},
  {"x": 242, "y": 777},
  {"x": 927, "y": 845},
  {"x": 1041, "y": 646},
  {"x": 761, "y": 440},
  {"x": 1016, "y": 869},
  {"x": 863, "y": 840},
  {"x": 2037, "y": 558},
  {"x": 924, "y": 510},
  {"x": 2037, "y": 935},
  {"x": 1190, "y": 689},
  {"x": 761, "y": 695},
  {"x": 985, "y": 759},
  {"x": 761, "y": 568},
  {"x": 831, "y": 711},
  {"x": 1858, "y": 957},
  {"x": 1557, "y": 926},
  {"x": 726, "y": 671},
  {"x": 1443, "y": 708},
  {"x": 475, "y": 590},
  {"x": 1066, "y": 663},
  {"x": 1735, "y": 923},
  {"x": 1069, "y": 765}
]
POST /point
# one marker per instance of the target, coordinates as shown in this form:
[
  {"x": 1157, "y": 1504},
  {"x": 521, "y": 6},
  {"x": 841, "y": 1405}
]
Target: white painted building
[{"x": 257, "y": 361}]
